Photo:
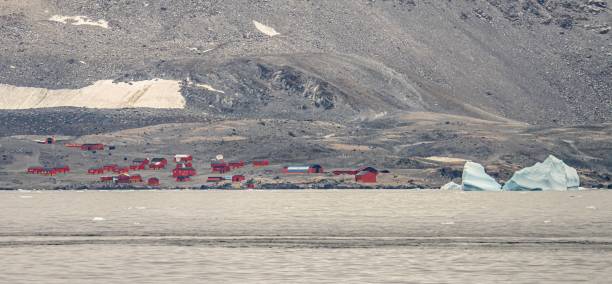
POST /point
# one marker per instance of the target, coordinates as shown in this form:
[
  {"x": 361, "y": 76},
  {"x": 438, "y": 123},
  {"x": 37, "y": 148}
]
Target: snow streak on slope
[
  {"x": 79, "y": 21},
  {"x": 102, "y": 94},
  {"x": 265, "y": 29}
]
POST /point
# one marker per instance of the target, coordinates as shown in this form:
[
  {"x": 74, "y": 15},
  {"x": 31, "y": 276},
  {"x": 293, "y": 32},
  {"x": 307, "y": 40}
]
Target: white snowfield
[
  {"x": 79, "y": 21},
  {"x": 476, "y": 179},
  {"x": 552, "y": 174},
  {"x": 265, "y": 29},
  {"x": 104, "y": 94}
]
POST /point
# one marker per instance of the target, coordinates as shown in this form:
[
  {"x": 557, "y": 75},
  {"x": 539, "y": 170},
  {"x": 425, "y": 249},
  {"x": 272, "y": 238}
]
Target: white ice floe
[
  {"x": 476, "y": 179},
  {"x": 104, "y": 94},
  {"x": 25, "y": 196},
  {"x": 79, "y": 21},
  {"x": 98, "y": 219},
  {"x": 552, "y": 174},
  {"x": 451, "y": 186},
  {"x": 265, "y": 29}
]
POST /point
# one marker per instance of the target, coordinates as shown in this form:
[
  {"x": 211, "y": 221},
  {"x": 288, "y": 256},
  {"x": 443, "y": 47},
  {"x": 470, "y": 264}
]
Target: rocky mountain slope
[{"x": 541, "y": 62}]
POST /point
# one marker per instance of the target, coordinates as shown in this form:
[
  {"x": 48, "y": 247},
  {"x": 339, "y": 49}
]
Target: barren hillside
[{"x": 542, "y": 62}]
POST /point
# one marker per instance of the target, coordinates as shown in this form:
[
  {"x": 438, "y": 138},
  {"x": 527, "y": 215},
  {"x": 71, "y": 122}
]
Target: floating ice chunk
[
  {"x": 552, "y": 174},
  {"x": 591, "y": 207},
  {"x": 98, "y": 219},
  {"x": 25, "y": 196},
  {"x": 451, "y": 186},
  {"x": 476, "y": 179}
]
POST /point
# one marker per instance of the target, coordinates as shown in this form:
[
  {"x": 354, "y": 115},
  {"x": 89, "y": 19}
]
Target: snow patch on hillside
[
  {"x": 210, "y": 88},
  {"x": 102, "y": 94},
  {"x": 79, "y": 21},
  {"x": 265, "y": 29}
]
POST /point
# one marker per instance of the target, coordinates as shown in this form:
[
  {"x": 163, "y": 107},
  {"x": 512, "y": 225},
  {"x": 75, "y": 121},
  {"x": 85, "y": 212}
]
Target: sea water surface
[{"x": 305, "y": 237}]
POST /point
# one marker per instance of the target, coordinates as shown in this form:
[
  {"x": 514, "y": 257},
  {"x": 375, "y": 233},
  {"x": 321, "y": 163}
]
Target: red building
[
  {"x": 183, "y": 158},
  {"x": 139, "y": 164},
  {"x": 123, "y": 178},
  {"x": 186, "y": 172},
  {"x": 153, "y": 182},
  {"x": 251, "y": 185},
  {"x": 236, "y": 165},
  {"x": 135, "y": 178},
  {"x": 92, "y": 147},
  {"x": 183, "y": 179},
  {"x": 313, "y": 169},
  {"x": 35, "y": 170},
  {"x": 49, "y": 172},
  {"x": 366, "y": 177},
  {"x": 215, "y": 179},
  {"x": 158, "y": 163},
  {"x": 107, "y": 179},
  {"x": 121, "y": 170},
  {"x": 220, "y": 168},
  {"x": 345, "y": 172},
  {"x": 95, "y": 171},
  {"x": 110, "y": 168},
  {"x": 238, "y": 178},
  {"x": 184, "y": 165},
  {"x": 261, "y": 163},
  {"x": 62, "y": 169}
]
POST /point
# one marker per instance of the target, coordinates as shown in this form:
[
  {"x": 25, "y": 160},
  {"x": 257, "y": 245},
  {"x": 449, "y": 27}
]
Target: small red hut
[
  {"x": 107, "y": 179},
  {"x": 95, "y": 171},
  {"x": 345, "y": 172},
  {"x": 261, "y": 163},
  {"x": 123, "y": 178},
  {"x": 62, "y": 169},
  {"x": 158, "y": 163},
  {"x": 236, "y": 165},
  {"x": 215, "y": 179},
  {"x": 135, "y": 178},
  {"x": 187, "y": 172},
  {"x": 49, "y": 172},
  {"x": 220, "y": 168},
  {"x": 92, "y": 147},
  {"x": 121, "y": 170},
  {"x": 35, "y": 170},
  {"x": 110, "y": 168},
  {"x": 238, "y": 178},
  {"x": 366, "y": 177},
  {"x": 153, "y": 181},
  {"x": 139, "y": 164},
  {"x": 183, "y": 158}
]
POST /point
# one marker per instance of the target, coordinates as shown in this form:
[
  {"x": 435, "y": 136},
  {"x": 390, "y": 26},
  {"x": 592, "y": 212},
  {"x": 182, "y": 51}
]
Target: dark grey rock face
[{"x": 542, "y": 62}]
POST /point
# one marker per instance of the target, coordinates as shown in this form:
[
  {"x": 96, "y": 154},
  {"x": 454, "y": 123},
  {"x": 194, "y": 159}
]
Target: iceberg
[
  {"x": 476, "y": 179},
  {"x": 552, "y": 174},
  {"x": 451, "y": 186}
]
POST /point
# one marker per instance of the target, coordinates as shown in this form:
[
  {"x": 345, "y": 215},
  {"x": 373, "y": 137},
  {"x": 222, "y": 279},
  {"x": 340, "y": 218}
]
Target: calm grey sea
[{"x": 305, "y": 237}]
